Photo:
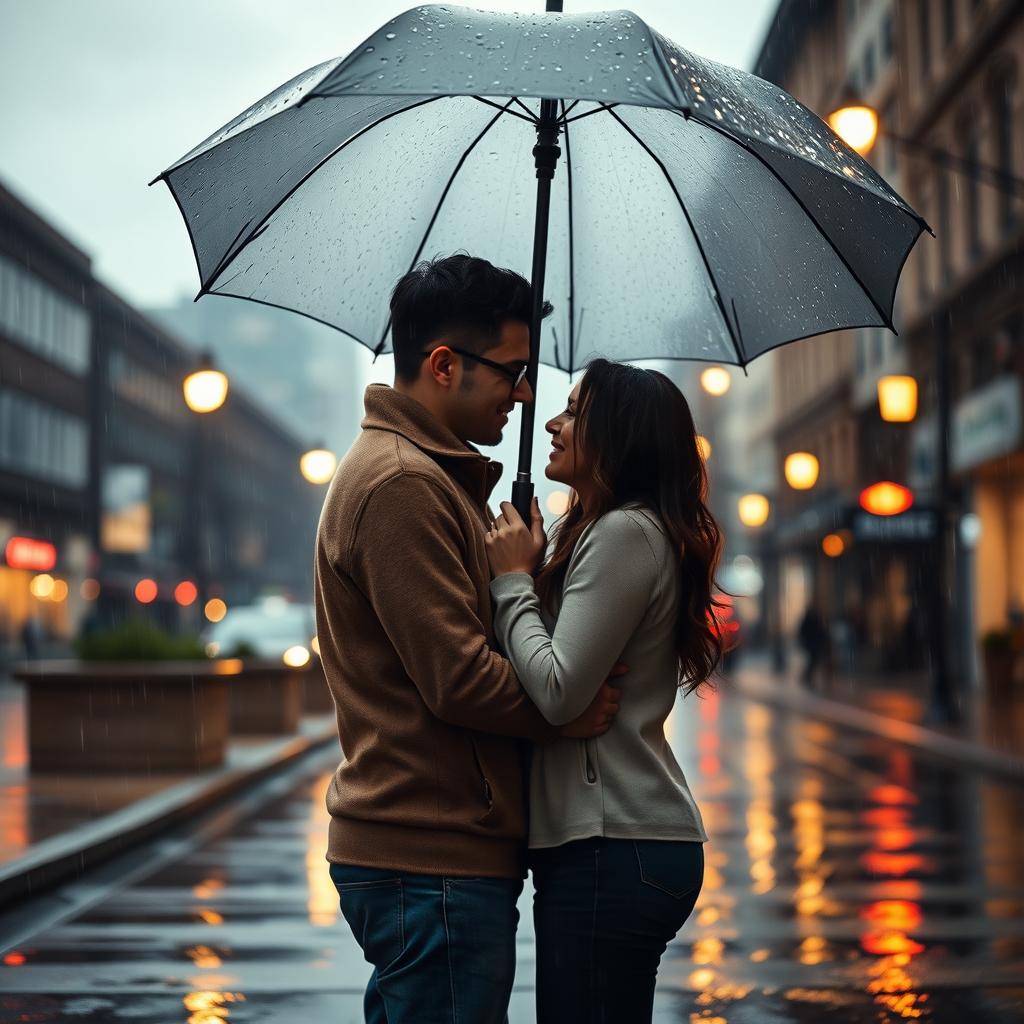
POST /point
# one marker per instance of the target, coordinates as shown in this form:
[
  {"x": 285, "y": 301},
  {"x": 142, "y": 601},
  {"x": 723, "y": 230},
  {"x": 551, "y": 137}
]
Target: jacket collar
[{"x": 388, "y": 409}]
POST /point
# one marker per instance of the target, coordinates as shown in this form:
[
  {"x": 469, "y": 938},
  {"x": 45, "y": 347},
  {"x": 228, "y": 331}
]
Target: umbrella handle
[{"x": 522, "y": 497}]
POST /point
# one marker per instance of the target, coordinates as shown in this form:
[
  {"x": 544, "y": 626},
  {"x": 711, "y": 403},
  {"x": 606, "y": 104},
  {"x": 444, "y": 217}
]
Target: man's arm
[{"x": 408, "y": 557}]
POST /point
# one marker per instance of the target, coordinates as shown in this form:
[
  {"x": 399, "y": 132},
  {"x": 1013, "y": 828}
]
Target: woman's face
[{"x": 566, "y": 462}]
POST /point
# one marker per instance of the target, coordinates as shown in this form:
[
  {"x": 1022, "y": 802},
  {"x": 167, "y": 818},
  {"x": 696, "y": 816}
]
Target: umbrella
[{"x": 693, "y": 211}]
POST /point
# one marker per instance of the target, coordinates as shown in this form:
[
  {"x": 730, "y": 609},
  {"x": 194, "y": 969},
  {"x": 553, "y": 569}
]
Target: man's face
[{"x": 483, "y": 397}]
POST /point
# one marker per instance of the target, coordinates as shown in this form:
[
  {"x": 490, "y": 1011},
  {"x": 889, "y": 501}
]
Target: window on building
[
  {"x": 39, "y": 440},
  {"x": 886, "y": 42},
  {"x": 972, "y": 205},
  {"x": 869, "y": 66},
  {"x": 1002, "y": 90},
  {"x": 943, "y": 226},
  {"x": 948, "y": 22},
  {"x": 924, "y": 36},
  {"x": 35, "y": 315}
]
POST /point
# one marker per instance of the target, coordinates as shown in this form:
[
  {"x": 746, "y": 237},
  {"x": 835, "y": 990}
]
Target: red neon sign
[{"x": 26, "y": 553}]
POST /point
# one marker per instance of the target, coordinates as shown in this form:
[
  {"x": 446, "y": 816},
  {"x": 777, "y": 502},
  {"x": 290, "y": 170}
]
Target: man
[{"x": 428, "y": 827}]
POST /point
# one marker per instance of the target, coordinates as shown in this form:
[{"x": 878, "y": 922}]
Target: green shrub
[
  {"x": 243, "y": 649},
  {"x": 138, "y": 640}
]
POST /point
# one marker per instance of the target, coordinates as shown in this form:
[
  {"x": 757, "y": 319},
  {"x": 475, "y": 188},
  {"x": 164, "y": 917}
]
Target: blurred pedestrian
[
  {"x": 813, "y": 637},
  {"x": 616, "y": 838},
  {"x": 31, "y": 634},
  {"x": 427, "y": 836}
]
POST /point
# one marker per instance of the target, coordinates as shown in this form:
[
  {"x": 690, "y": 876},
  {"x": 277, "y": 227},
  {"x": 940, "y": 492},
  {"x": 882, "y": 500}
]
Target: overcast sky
[{"x": 99, "y": 96}]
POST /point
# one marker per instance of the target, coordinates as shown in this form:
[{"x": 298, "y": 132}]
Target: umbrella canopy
[{"x": 697, "y": 212}]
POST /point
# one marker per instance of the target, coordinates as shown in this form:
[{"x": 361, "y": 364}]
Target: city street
[{"x": 845, "y": 876}]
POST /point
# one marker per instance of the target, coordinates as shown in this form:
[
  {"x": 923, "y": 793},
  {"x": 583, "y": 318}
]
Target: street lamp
[
  {"x": 886, "y": 498},
  {"x": 897, "y": 398},
  {"x": 801, "y": 470},
  {"x": 716, "y": 380},
  {"x": 753, "y": 510},
  {"x": 318, "y": 465},
  {"x": 205, "y": 390},
  {"x": 206, "y": 387}
]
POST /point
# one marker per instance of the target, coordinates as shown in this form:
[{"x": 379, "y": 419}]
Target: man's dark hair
[{"x": 462, "y": 297}]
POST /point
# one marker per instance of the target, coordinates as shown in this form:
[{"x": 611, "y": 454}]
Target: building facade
[
  {"x": 945, "y": 79},
  {"x": 107, "y": 478}
]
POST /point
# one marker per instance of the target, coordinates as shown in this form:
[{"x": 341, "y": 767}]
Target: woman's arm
[{"x": 607, "y": 591}]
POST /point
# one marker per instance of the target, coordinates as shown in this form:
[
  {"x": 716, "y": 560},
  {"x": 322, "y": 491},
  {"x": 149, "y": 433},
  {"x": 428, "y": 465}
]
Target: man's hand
[{"x": 598, "y": 718}]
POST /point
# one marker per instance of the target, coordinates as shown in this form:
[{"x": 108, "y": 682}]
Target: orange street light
[
  {"x": 205, "y": 388},
  {"x": 833, "y": 545},
  {"x": 897, "y": 398},
  {"x": 801, "y": 469},
  {"x": 318, "y": 465},
  {"x": 753, "y": 510},
  {"x": 716, "y": 380},
  {"x": 856, "y": 124},
  {"x": 886, "y": 499}
]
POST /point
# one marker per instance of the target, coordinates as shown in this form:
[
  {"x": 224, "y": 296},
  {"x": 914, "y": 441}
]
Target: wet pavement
[{"x": 845, "y": 877}]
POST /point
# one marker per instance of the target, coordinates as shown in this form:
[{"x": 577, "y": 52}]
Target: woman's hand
[{"x": 511, "y": 547}]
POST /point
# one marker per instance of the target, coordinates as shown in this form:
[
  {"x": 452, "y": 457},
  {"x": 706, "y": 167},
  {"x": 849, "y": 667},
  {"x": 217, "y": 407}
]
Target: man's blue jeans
[{"x": 443, "y": 950}]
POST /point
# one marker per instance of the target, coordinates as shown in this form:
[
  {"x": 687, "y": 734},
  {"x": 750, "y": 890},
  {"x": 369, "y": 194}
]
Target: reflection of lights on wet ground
[
  {"x": 203, "y": 956},
  {"x": 708, "y": 950},
  {"x": 758, "y": 766},
  {"x": 322, "y": 903},
  {"x": 210, "y": 916},
  {"x": 207, "y": 888},
  {"x": 815, "y": 950},
  {"x": 210, "y": 1007}
]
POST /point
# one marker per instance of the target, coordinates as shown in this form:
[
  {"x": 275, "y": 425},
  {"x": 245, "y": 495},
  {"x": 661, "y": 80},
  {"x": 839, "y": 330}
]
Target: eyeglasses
[{"x": 514, "y": 376}]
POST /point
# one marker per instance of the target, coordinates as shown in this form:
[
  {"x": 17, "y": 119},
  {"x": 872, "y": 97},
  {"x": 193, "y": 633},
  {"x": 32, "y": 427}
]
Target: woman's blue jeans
[
  {"x": 604, "y": 911},
  {"x": 443, "y": 950}
]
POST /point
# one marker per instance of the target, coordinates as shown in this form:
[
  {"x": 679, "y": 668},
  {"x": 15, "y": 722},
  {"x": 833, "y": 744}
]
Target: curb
[
  {"x": 916, "y": 736},
  {"x": 53, "y": 860}
]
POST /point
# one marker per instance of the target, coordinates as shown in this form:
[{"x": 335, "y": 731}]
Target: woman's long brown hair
[{"x": 635, "y": 430}]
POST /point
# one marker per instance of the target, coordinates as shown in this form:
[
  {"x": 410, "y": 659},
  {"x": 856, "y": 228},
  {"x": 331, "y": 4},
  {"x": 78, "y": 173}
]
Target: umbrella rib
[
  {"x": 572, "y": 254},
  {"x": 532, "y": 116},
  {"x": 693, "y": 231},
  {"x": 590, "y": 113},
  {"x": 498, "y": 106},
  {"x": 886, "y": 319},
  {"x": 568, "y": 110},
  {"x": 437, "y": 209},
  {"x": 231, "y": 256}
]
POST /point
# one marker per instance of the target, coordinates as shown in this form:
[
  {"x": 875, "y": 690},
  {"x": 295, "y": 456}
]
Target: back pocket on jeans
[
  {"x": 374, "y": 911},
  {"x": 676, "y": 868}
]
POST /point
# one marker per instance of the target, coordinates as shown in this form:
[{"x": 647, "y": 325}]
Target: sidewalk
[
  {"x": 895, "y": 707},
  {"x": 53, "y": 826}
]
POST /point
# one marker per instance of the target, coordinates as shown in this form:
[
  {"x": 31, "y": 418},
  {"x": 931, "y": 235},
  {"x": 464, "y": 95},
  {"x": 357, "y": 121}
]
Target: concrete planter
[
  {"x": 125, "y": 716},
  {"x": 316, "y": 694},
  {"x": 265, "y": 698}
]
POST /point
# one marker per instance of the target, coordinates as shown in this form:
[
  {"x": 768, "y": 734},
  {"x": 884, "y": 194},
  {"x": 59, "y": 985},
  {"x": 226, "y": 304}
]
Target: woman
[{"x": 615, "y": 835}]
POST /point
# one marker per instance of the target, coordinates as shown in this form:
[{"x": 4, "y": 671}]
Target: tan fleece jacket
[{"x": 429, "y": 714}]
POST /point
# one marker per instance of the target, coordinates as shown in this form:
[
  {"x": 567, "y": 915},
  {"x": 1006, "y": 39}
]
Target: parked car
[{"x": 271, "y": 628}]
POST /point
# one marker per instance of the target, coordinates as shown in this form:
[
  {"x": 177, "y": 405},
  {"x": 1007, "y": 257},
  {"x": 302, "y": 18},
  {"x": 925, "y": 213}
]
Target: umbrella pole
[{"x": 545, "y": 155}]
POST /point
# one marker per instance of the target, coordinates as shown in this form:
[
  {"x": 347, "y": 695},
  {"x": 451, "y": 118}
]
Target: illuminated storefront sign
[{"x": 26, "y": 553}]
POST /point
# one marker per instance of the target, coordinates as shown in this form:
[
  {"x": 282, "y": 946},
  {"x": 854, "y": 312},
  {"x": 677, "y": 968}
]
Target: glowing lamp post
[
  {"x": 856, "y": 124},
  {"x": 716, "y": 380},
  {"x": 801, "y": 470},
  {"x": 897, "y": 398},
  {"x": 206, "y": 387},
  {"x": 886, "y": 499},
  {"x": 318, "y": 465},
  {"x": 753, "y": 510}
]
